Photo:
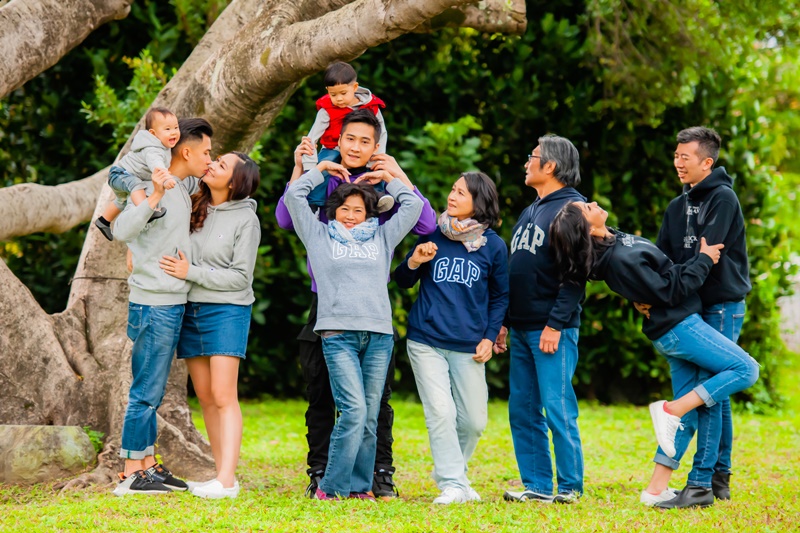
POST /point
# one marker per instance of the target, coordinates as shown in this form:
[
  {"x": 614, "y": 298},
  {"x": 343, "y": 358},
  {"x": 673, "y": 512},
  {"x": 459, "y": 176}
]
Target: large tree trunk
[
  {"x": 35, "y": 34},
  {"x": 75, "y": 366}
]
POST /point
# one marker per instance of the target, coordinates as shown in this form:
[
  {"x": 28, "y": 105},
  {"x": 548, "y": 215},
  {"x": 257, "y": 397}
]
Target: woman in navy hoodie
[
  {"x": 637, "y": 270},
  {"x": 463, "y": 268}
]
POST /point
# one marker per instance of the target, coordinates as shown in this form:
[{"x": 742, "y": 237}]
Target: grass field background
[{"x": 618, "y": 444}]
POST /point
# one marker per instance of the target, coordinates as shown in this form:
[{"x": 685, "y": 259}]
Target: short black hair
[
  {"x": 339, "y": 73},
  {"x": 192, "y": 129},
  {"x": 362, "y": 116},
  {"x": 149, "y": 117},
  {"x": 563, "y": 153},
  {"x": 708, "y": 140},
  {"x": 345, "y": 191},
  {"x": 485, "y": 202}
]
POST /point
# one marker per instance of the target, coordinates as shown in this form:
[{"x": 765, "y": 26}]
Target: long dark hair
[
  {"x": 575, "y": 249},
  {"x": 244, "y": 181},
  {"x": 344, "y": 191},
  {"x": 484, "y": 198}
]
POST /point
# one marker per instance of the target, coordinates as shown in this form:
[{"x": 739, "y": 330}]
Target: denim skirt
[{"x": 214, "y": 329}]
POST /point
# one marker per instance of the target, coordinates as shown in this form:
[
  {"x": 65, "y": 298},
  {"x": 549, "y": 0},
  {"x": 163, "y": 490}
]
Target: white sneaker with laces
[
  {"x": 214, "y": 490},
  {"x": 652, "y": 499},
  {"x": 472, "y": 495},
  {"x": 666, "y": 426},
  {"x": 451, "y": 495}
]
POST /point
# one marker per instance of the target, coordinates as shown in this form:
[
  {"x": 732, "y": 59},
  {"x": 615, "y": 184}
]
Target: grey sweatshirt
[
  {"x": 147, "y": 153},
  {"x": 148, "y": 242},
  {"x": 351, "y": 278},
  {"x": 224, "y": 254}
]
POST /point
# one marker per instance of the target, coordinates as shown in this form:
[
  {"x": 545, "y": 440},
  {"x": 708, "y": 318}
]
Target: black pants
[{"x": 321, "y": 412}]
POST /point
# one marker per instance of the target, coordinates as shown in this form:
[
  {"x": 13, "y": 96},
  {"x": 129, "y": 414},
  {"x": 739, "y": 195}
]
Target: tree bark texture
[
  {"x": 35, "y": 34},
  {"x": 74, "y": 367}
]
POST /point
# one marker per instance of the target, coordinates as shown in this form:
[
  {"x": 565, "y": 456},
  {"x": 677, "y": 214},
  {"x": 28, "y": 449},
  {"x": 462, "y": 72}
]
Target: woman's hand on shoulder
[
  {"x": 422, "y": 254},
  {"x": 177, "y": 268},
  {"x": 334, "y": 169},
  {"x": 483, "y": 352},
  {"x": 373, "y": 177}
]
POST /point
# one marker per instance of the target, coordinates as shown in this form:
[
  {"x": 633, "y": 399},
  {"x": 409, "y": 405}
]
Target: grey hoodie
[
  {"x": 224, "y": 254},
  {"x": 148, "y": 242},
  {"x": 351, "y": 278},
  {"x": 147, "y": 153}
]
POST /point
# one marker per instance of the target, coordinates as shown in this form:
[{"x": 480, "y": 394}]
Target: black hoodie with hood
[
  {"x": 635, "y": 269},
  {"x": 536, "y": 296},
  {"x": 710, "y": 209}
]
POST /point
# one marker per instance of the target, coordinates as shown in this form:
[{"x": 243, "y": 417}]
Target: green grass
[{"x": 618, "y": 445}]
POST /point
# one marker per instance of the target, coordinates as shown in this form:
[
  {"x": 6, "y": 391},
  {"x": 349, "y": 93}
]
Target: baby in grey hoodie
[{"x": 151, "y": 149}]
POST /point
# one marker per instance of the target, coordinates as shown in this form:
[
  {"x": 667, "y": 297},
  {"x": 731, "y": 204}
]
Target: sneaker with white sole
[
  {"x": 527, "y": 496},
  {"x": 385, "y": 203},
  {"x": 161, "y": 473},
  {"x": 567, "y": 497},
  {"x": 666, "y": 426},
  {"x": 140, "y": 482},
  {"x": 451, "y": 495},
  {"x": 472, "y": 495},
  {"x": 652, "y": 499},
  {"x": 215, "y": 491}
]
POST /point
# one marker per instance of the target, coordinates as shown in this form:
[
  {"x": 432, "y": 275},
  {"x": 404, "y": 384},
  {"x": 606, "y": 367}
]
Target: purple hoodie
[{"x": 425, "y": 225}]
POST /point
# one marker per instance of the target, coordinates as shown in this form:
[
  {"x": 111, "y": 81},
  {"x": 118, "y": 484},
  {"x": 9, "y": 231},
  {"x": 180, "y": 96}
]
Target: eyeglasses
[{"x": 532, "y": 156}]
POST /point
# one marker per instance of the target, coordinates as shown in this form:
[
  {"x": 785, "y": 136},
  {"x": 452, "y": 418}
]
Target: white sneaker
[
  {"x": 472, "y": 495},
  {"x": 194, "y": 484},
  {"x": 665, "y": 425},
  {"x": 214, "y": 490},
  {"x": 385, "y": 203},
  {"x": 652, "y": 499},
  {"x": 451, "y": 495}
]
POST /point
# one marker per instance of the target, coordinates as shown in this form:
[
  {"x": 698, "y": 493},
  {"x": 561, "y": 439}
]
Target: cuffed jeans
[
  {"x": 155, "y": 331},
  {"x": 543, "y": 382},
  {"x": 123, "y": 184},
  {"x": 452, "y": 387},
  {"x": 727, "y": 318},
  {"x": 703, "y": 360},
  {"x": 357, "y": 365}
]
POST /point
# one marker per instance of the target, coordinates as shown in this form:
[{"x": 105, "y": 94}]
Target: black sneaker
[
  {"x": 383, "y": 486},
  {"x": 527, "y": 496},
  {"x": 162, "y": 474},
  {"x": 158, "y": 213},
  {"x": 104, "y": 228},
  {"x": 140, "y": 482},
  {"x": 316, "y": 477}
]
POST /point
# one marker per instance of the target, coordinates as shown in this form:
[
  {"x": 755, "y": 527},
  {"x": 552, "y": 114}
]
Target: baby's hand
[{"x": 170, "y": 183}]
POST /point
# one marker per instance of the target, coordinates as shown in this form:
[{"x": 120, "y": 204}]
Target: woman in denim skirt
[
  {"x": 225, "y": 234},
  {"x": 463, "y": 272},
  {"x": 702, "y": 360}
]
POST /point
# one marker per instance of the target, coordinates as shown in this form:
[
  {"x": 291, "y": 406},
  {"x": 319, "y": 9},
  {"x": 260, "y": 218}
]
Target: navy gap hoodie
[
  {"x": 463, "y": 295},
  {"x": 536, "y": 297},
  {"x": 710, "y": 209},
  {"x": 637, "y": 270}
]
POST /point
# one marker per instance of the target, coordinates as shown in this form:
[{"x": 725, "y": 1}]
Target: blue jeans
[
  {"x": 727, "y": 318},
  {"x": 357, "y": 365},
  {"x": 703, "y": 360},
  {"x": 123, "y": 184},
  {"x": 452, "y": 387},
  {"x": 543, "y": 382},
  {"x": 154, "y": 331}
]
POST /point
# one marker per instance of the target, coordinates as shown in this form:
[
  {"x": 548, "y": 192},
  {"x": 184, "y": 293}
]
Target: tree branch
[
  {"x": 29, "y": 207},
  {"x": 489, "y": 16},
  {"x": 36, "y": 34}
]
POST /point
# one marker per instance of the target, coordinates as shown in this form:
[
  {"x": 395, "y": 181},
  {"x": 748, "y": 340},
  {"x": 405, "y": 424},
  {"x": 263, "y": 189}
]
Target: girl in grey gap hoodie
[{"x": 354, "y": 317}]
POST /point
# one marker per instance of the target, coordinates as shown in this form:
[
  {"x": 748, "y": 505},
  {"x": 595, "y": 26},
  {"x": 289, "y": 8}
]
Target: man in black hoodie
[
  {"x": 707, "y": 208},
  {"x": 544, "y": 317}
]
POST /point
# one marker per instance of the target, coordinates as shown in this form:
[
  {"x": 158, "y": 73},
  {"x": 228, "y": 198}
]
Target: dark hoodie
[
  {"x": 635, "y": 269},
  {"x": 536, "y": 298},
  {"x": 710, "y": 209}
]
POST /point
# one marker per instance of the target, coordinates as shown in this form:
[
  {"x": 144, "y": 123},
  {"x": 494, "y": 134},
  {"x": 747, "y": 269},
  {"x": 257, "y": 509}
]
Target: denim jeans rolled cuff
[
  {"x": 120, "y": 180},
  {"x": 136, "y": 455},
  {"x": 661, "y": 459},
  {"x": 705, "y": 396}
]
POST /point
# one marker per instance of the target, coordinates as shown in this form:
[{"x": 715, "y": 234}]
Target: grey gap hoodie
[
  {"x": 224, "y": 254},
  {"x": 147, "y": 153},
  {"x": 148, "y": 242},
  {"x": 351, "y": 278}
]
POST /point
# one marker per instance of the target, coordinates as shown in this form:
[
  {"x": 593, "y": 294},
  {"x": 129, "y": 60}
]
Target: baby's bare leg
[
  {"x": 138, "y": 196},
  {"x": 111, "y": 212}
]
